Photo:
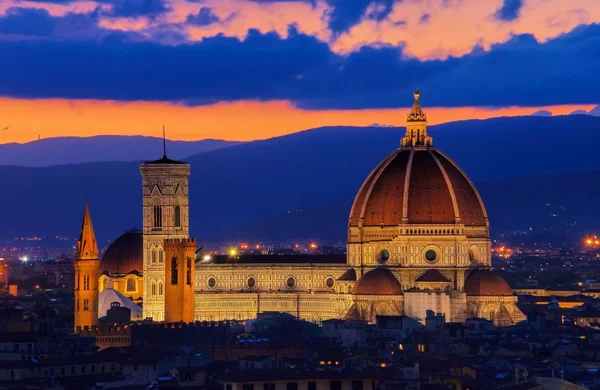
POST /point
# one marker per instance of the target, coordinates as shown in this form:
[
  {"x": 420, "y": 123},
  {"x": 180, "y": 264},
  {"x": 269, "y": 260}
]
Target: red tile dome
[
  {"x": 379, "y": 281},
  {"x": 417, "y": 186},
  {"x": 124, "y": 255},
  {"x": 486, "y": 283}
]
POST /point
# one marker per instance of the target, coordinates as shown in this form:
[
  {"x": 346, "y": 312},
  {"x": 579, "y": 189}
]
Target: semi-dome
[
  {"x": 417, "y": 184},
  {"x": 379, "y": 281},
  {"x": 486, "y": 283},
  {"x": 124, "y": 255}
]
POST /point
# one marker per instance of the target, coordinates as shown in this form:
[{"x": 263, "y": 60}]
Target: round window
[
  {"x": 251, "y": 282},
  {"x": 212, "y": 282},
  {"x": 329, "y": 282},
  {"x": 291, "y": 282},
  {"x": 383, "y": 256},
  {"x": 430, "y": 255}
]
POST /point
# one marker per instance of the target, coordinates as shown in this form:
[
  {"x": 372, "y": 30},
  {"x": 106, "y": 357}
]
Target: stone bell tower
[
  {"x": 87, "y": 266},
  {"x": 165, "y": 216}
]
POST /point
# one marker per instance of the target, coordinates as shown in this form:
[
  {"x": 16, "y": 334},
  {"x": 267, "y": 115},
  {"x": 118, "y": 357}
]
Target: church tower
[
  {"x": 165, "y": 215},
  {"x": 179, "y": 284},
  {"x": 87, "y": 266}
]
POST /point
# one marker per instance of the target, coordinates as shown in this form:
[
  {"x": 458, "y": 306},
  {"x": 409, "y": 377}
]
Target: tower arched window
[
  {"x": 157, "y": 217},
  {"x": 161, "y": 256},
  {"x": 174, "y": 270},
  {"x": 153, "y": 289},
  {"x": 131, "y": 285},
  {"x": 160, "y": 288},
  {"x": 177, "y": 216},
  {"x": 188, "y": 271},
  {"x": 153, "y": 256},
  {"x": 86, "y": 304},
  {"x": 86, "y": 282}
]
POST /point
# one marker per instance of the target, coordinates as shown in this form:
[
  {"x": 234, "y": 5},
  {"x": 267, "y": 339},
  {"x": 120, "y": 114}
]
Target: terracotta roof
[
  {"x": 428, "y": 199},
  {"x": 124, "y": 255},
  {"x": 486, "y": 283},
  {"x": 379, "y": 281},
  {"x": 348, "y": 276},
  {"x": 432, "y": 275}
]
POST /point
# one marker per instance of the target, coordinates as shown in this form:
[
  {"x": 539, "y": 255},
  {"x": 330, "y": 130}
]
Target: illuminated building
[{"x": 418, "y": 241}]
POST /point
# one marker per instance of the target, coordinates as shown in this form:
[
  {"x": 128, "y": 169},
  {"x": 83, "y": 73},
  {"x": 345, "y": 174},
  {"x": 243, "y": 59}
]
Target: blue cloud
[
  {"x": 346, "y": 13},
  {"x": 298, "y": 68},
  {"x": 27, "y": 22},
  {"x": 136, "y": 8},
  {"x": 509, "y": 10},
  {"x": 204, "y": 17}
]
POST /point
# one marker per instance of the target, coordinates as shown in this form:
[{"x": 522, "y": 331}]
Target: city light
[
  {"x": 592, "y": 241},
  {"x": 207, "y": 258},
  {"x": 232, "y": 252},
  {"x": 24, "y": 259},
  {"x": 313, "y": 245}
]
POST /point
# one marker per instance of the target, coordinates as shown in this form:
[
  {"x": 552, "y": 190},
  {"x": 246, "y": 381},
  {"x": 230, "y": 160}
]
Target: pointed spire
[
  {"x": 416, "y": 126},
  {"x": 86, "y": 245},
  {"x": 164, "y": 144}
]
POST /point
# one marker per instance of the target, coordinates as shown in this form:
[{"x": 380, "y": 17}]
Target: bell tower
[
  {"x": 87, "y": 266},
  {"x": 165, "y": 216}
]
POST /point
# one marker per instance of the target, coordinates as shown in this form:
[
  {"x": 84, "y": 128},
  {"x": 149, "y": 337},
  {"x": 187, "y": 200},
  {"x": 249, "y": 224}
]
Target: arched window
[
  {"x": 161, "y": 257},
  {"x": 157, "y": 214},
  {"x": 86, "y": 282},
  {"x": 153, "y": 289},
  {"x": 131, "y": 284},
  {"x": 160, "y": 288},
  {"x": 174, "y": 270},
  {"x": 86, "y": 304},
  {"x": 177, "y": 216},
  {"x": 153, "y": 256},
  {"x": 188, "y": 272}
]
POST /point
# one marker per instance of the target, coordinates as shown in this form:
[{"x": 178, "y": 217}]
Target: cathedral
[{"x": 418, "y": 242}]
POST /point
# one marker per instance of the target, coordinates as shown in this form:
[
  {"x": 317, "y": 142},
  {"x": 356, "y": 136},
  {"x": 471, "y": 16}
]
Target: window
[
  {"x": 357, "y": 385},
  {"x": 312, "y": 385},
  {"x": 251, "y": 282},
  {"x": 291, "y": 282},
  {"x": 271, "y": 386},
  {"x": 248, "y": 387},
  {"x": 291, "y": 386},
  {"x": 335, "y": 385},
  {"x": 131, "y": 284},
  {"x": 430, "y": 255},
  {"x": 188, "y": 271},
  {"x": 329, "y": 282},
  {"x": 174, "y": 270},
  {"x": 153, "y": 256},
  {"x": 160, "y": 288},
  {"x": 153, "y": 288},
  {"x": 161, "y": 257},
  {"x": 212, "y": 282},
  {"x": 86, "y": 304},
  {"x": 383, "y": 256},
  {"x": 177, "y": 216},
  {"x": 157, "y": 217},
  {"x": 86, "y": 282},
  {"x": 12, "y": 374}
]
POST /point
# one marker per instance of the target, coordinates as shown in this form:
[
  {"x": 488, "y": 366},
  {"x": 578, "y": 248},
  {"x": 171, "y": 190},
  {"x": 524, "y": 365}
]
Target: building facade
[{"x": 418, "y": 243}]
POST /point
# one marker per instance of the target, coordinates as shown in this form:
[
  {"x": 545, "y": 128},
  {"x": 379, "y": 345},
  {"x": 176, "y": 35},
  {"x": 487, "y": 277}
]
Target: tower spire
[
  {"x": 416, "y": 126},
  {"x": 86, "y": 245},
  {"x": 164, "y": 143}
]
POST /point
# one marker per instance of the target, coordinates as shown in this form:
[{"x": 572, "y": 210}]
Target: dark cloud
[
  {"x": 542, "y": 113},
  {"x": 204, "y": 17},
  {"x": 346, "y": 14},
  {"x": 136, "y": 8},
  {"x": 509, "y": 10},
  {"x": 424, "y": 18},
  {"x": 298, "y": 68}
]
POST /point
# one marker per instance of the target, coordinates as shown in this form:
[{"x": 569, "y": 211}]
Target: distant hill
[
  {"x": 75, "y": 150},
  {"x": 559, "y": 205},
  {"x": 238, "y": 185}
]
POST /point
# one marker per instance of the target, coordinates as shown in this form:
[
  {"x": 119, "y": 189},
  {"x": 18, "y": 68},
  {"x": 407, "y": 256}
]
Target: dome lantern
[{"x": 416, "y": 126}]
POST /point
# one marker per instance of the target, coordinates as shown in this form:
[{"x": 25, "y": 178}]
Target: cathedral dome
[
  {"x": 417, "y": 184},
  {"x": 379, "y": 281},
  {"x": 124, "y": 255},
  {"x": 486, "y": 283}
]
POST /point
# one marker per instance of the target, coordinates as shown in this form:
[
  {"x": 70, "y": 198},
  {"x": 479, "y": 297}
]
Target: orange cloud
[{"x": 246, "y": 120}]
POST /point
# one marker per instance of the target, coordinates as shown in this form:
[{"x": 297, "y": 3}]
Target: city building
[{"x": 418, "y": 242}]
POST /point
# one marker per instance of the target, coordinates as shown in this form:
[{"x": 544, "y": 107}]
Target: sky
[{"x": 254, "y": 69}]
